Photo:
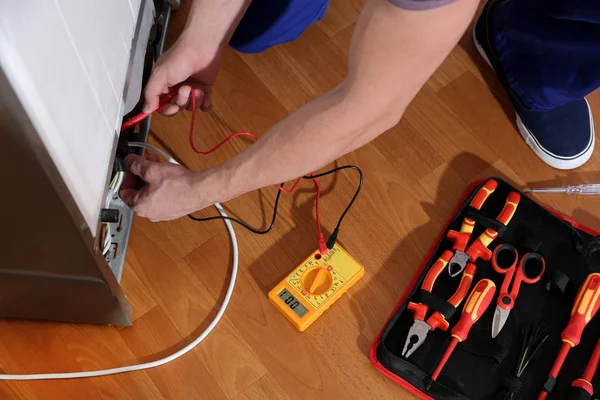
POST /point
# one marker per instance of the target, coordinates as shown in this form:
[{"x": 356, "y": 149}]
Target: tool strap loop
[
  {"x": 549, "y": 385},
  {"x": 557, "y": 281},
  {"x": 513, "y": 384},
  {"x": 435, "y": 303},
  {"x": 488, "y": 222}
]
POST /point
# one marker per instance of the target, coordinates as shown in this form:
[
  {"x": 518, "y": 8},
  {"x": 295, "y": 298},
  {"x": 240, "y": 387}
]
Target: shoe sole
[{"x": 555, "y": 161}]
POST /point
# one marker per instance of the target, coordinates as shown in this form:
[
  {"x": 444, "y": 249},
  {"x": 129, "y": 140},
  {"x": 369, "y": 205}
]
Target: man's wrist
[
  {"x": 201, "y": 51},
  {"x": 209, "y": 187},
  {"x": 211, "y": 23}
]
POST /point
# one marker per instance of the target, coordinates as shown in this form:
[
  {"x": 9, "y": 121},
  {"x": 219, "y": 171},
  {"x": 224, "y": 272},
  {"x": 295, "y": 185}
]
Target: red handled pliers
[
  {"x": 420, "y": 328},
  {"x": 464, "y": 260},
  {"x": 479, "y": 247},
  {"x": 530, "y": 269}
]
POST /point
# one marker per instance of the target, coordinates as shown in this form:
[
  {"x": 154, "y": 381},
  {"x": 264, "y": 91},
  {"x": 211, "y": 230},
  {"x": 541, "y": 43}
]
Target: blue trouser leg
[
  {"x": 549, "y": 49},
  {"x": 271, "y": 22}
]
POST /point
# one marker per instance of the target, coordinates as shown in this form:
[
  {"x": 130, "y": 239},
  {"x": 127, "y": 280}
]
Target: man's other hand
[{"x": 160, "y": 191}]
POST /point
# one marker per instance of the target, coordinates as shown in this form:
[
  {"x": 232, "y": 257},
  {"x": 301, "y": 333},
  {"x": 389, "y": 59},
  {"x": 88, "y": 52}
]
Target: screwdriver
[
  {"x": 592, "y": 188},
  {"x": 586, "y": 305},
  {"x": 479, "y": 300},
  {"x": 582, "y": 387}
]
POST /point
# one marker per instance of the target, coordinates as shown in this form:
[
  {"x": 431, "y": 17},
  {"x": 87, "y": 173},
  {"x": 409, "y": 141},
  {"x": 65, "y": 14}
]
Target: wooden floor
[{"x": 459, "y": 128}]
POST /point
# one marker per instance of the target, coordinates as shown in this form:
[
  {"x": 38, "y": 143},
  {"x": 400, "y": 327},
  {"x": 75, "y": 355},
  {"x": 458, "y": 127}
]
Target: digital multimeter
[{"x": 313, "y": 286}]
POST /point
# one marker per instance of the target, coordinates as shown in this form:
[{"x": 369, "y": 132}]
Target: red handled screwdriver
[
  {"x": 583, "y": 386},
  {"x": 479, "y": 300},
  {"x": 586, "y": 305}
]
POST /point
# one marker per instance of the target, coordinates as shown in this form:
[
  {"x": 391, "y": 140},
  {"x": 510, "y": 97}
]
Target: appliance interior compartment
[
  {"x": 51, "y": 251},
  {"x": 148, "y": 46}
]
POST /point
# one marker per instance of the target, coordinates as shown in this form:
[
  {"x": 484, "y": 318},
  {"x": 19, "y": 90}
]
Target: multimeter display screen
[{"x": 292, "y": 302}]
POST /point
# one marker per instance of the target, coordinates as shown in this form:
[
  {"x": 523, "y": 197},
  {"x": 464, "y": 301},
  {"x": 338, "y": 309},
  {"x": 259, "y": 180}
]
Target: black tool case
[{"x": 482, "y": 367}]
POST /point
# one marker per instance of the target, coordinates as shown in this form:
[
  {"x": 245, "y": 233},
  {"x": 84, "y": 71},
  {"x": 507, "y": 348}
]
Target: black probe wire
[
  {"x": 242, "y": 223},
  {"x": 332, "y": 239}
]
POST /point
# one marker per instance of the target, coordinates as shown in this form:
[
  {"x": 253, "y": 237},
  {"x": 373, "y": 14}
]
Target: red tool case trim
[{"x": 372, "y": 352}]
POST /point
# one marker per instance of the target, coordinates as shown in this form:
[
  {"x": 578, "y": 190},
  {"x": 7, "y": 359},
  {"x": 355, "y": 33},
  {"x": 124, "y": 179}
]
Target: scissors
[{"x": 530, "y": 269}]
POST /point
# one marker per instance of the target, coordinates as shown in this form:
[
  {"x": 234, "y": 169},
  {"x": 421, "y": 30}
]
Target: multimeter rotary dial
[{"x": 316, "y": 280}]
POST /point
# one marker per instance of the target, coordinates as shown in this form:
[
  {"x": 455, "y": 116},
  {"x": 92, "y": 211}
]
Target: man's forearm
[
  {"x": 313, "y": 136},
  {"x": 393, "y": 53}
]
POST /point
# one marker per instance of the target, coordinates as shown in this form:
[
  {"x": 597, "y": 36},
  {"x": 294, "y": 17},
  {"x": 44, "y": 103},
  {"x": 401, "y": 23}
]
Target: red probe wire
[
  {"x": 165, "y": 99},
  {"x": 322, "y": 244},
  {"x": 227, "y": 139}
]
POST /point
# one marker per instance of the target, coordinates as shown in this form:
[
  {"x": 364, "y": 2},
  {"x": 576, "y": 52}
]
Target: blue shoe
[{"x": 562, "y": 137}]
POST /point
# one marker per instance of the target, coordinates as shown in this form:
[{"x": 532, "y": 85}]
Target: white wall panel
[
  {"x": 67, "y": 60},
  {"x": 135, "y": 7}
]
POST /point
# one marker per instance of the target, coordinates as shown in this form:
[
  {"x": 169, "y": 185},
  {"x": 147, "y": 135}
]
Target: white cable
[
  {"x": 120, "y": 178},
  {"x": 114, "y": 189},
  {"x": 137, "y": 367},
  {"x": 155, "y": 149},
  {"x": 107, "y": 241}
]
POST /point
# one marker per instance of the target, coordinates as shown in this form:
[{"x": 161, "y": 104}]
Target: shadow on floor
[
  {"x": 587, "y": 218},
  {"x": 467, "y": 44}
]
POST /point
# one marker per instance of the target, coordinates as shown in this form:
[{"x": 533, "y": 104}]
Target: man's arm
[
  {"x": 392, "y": 53},
  {"x": 195, "y": 59}
]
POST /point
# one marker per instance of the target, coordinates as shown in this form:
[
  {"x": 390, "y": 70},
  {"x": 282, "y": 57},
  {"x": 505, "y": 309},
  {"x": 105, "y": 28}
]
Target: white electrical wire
[
  {"x": 114, "y": 187},
  {"x": 109, "y": 196},
  {"x": 107, "y": 241},
  {"x": 137, "y": 367},
  {"x": 155, "y": 149}
]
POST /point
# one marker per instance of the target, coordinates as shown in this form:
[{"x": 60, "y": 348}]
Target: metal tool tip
[
  {"x": 454, "y": 270},
  {"x": 429, "y": 383}
]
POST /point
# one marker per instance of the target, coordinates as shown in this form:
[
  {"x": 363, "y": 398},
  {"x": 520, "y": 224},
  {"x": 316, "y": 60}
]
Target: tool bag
[{"x": 482, "y": 367}]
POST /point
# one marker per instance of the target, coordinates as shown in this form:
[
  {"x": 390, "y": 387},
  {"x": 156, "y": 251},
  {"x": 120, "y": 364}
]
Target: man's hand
[
  {"x": 160, "y": 191},
  {"x": 195, "y": 59},
  {"x": 188, "y": 66}
]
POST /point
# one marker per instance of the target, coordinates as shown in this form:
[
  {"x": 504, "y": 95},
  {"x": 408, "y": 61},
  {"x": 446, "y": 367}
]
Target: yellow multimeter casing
[{"x": 313, "y": 286}]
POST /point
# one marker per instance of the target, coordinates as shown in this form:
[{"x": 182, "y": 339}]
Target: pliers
[
  {"x": 420, "y": 328},
  {"x": 465, "y": 264},
  {"x": 479, "y": 247}
]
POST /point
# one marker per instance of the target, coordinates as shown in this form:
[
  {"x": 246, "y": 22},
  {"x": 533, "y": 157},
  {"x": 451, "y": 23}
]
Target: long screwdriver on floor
[
  {"x": 586, "y": 305},
  {"x": 586, "y": 189},
  {"x": 479, "y": 301}
]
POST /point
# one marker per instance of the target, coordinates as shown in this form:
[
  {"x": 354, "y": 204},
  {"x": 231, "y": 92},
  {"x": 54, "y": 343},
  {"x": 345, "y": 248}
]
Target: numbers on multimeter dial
[{"x": 292, "y": 302}]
